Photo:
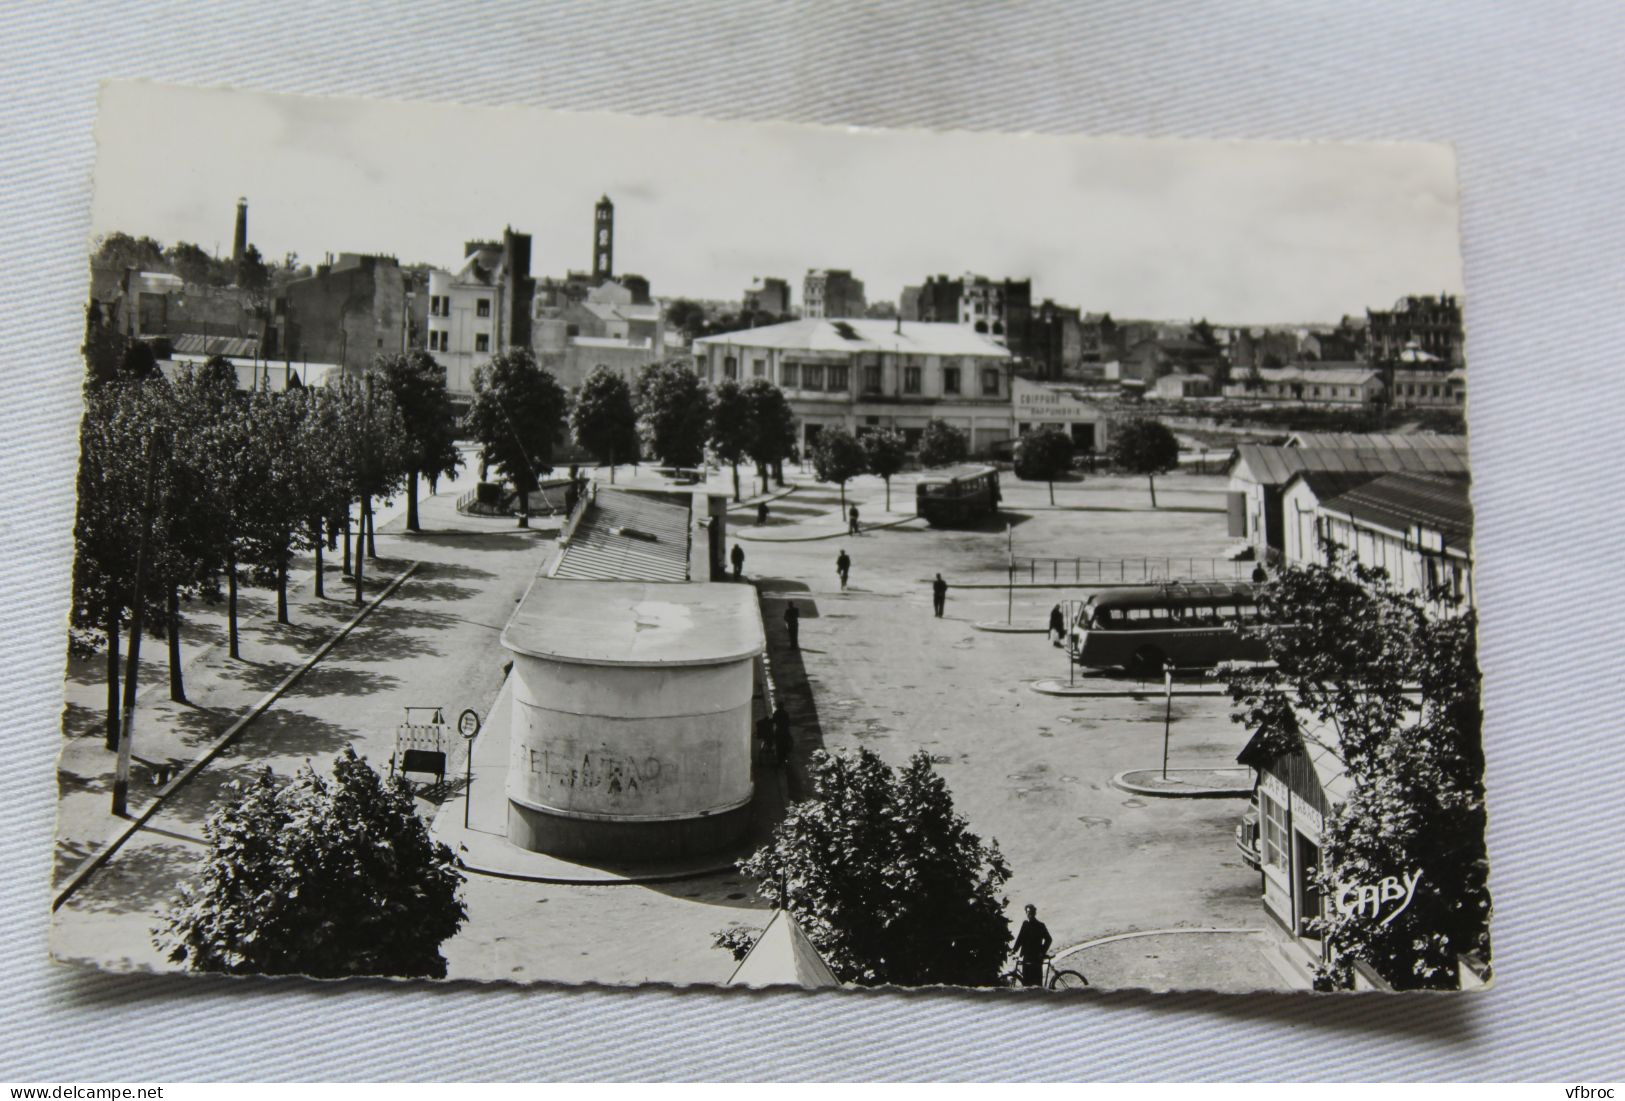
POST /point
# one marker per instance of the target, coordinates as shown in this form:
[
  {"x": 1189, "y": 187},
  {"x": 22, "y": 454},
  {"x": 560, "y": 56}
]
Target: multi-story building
[
  {"x": 483, "y": 309},
  {"x": 768, "y": 295},
  {"x": 347, "y": 313},
  {"x": 1423, "y": 386},
  {"x": 832, "y": 292},
  {"x": 1432, "y": 325},
  {"x": 867, "y": 374},
  {"x": 607, "y": 328},
  {"x": 1340, "y": 384}
]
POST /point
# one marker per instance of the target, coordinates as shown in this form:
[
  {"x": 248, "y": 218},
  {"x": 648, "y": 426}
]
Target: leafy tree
[
  {"x": 191, "y": 263},
  {"x": 322, "y": 877},
  {"x": 1044, "y": 455},
  {"x": 675, "y": 407},
  {"x": 886, "y": 877},
  {"x": 120, "y": 250},
  {"x": 517, "y": 417},
  {"x": 884, "y": 454},
  {"x": 252, "y": 273},
  {"x": 604, "y": 421},
  {"x": 839, "y": 458},
  {"x": 1145, "y": 447},
  {"x": 1391, "y": 688},
  {"x": 686, "y": 316},
  {"x": 140, "y": 362},
  {"x": 103, "y": 349},
  {"x": 417, "y": 384},
  {"x": 942, "y": 444},
  {"x": 772, "y": 428},
  {"x": 731, "y": 429}
]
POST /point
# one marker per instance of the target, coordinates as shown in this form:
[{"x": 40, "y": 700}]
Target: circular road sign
[{"x": 468, "y": 723}]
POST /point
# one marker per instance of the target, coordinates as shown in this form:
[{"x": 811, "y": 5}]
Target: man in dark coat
[
  {"x": 843, "y": 566},
  {"x": 738, "y": 557},
  {"x": 939, "y": 594},
  {"x": 792, "y": 625},
  {"x": 1032, "y": 945},
  {"x": 852, "y": 520}
]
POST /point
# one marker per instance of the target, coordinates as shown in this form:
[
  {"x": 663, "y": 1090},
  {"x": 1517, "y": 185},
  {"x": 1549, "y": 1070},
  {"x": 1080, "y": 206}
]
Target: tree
[
  {"x": 1390, "y": 687},
  {"x": 252, "y": 273},
  {"x": 772, "y": 428},
  {"x": 686, "y": 316},
  {"x": 942, "y": 444},
  {"x": 321, "y": 877},
  {"x": 730, "y": 426},
  {"x": 191, "y": 263},
  {"x": 838, "y": 458},
  {"x": 417, "y": 384},
  {"x": 1043, "y": 456},
  {"x": 517, "y": 417},
  {"x": 604, "y": 421},
  {"x": 884, "y": 454},
  {"x": 886, "y": 878},
  {"x": 120, "y": 250},
  {"x": 1145, "y": 447},
  {"x": 674, "y": 405}
]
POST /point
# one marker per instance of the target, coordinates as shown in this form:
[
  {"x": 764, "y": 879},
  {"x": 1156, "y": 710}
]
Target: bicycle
[{"x": 1055, "y": 978}]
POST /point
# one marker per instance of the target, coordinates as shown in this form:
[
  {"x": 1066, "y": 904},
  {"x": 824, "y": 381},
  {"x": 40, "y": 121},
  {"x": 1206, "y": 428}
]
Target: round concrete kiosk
[{"x": 631, "y": 718}]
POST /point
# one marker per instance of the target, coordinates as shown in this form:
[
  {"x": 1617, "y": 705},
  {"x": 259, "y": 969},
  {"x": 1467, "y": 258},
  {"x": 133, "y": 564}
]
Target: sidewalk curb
[
  {"x": 1121, "y": 780},
  {"x": 863, "y": 529},
  {"x": 1010, "y": 629},
  {"x": 1053, "y": 687},
  {"x": 1098, "y": 941},
  {"x": 96, "y": 859}
]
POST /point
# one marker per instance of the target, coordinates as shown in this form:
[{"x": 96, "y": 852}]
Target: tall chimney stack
[{"x": 239, "y": 244}]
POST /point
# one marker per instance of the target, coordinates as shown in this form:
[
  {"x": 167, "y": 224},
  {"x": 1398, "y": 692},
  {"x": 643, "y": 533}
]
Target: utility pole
[{"x": 121, "y": 777}]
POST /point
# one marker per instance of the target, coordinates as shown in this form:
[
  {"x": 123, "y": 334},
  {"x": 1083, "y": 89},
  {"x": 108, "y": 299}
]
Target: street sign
[{"x": 468, "y": 723}]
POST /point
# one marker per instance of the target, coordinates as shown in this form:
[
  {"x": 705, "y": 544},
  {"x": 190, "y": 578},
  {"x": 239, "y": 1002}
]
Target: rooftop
[
  {"x": 1402, "y": 501},
  {"x": 636, "y": 623},
  {"x": 1274, "y": 466},
  {"x": 1396, "y": 441},
  {"x": 783, "y": 956},
  {"x": 820, "y": 334}
]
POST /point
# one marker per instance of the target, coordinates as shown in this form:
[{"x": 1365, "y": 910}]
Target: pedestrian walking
[
  {"x": 843, "y": 566},
  {"x": 1260, "y": 574},
  {"x": 738, "y": 558},
  {"x": 792, "y": 625},
  {"x": 939, "y": 594},
  {"x": 782, "y": 744},
  {"x": 761, "y": 513},
  {"x": 1057, "y": 626},
  {"x": 852, "y": 520}
]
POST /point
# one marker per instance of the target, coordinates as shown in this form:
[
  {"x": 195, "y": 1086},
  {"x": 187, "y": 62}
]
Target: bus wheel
[{"x": 1147, "y": 662}]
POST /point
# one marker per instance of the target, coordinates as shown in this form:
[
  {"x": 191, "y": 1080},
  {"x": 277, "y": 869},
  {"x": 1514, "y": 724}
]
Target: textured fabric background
[{"x": 1530, "y": 93}]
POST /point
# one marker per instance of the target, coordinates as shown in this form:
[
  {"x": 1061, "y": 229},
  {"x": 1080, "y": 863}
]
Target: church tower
[
  {"x": 603, "y": 241},
  {"x": 239, "y": 243}
]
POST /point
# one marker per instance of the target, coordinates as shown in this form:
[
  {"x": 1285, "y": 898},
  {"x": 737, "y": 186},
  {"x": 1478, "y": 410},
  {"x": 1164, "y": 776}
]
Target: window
[
  {"x": 1272, "y": 831},
  {"x": 482, "y": 342},
  {"x": 437, "y": 341},
  {"x": 790, "y": 375},
  {"x": 990, "y": 382},
  {"x": 758, "y": 368},
  {"x": 482, "y": 308},
  {"x": 812, "y": 377},
  {"x": 950, "y": 380},
  {"x": 871, "y": 380},
  {"x": 838, "y": 379},
  {"x": 911, "y": 380},
  {"x": 730, "y": 367},
  {"x": 439, "y": 306}
]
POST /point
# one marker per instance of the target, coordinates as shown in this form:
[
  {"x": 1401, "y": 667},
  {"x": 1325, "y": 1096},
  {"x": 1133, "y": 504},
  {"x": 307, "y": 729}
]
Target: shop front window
[{"x": 1272, "y": 827}]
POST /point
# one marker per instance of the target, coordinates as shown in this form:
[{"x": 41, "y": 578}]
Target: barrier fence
[{"x": 1034, "y": 570}]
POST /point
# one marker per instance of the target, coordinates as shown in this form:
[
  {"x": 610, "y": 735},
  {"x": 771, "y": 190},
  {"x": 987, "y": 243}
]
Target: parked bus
[
  {"x": 1189, "y": 624},
  {"x": 958, "y": 495}
]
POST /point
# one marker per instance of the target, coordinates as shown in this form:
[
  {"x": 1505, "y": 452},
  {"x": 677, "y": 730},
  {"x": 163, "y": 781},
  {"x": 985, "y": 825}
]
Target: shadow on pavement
[{"x": 790, "y": 681}]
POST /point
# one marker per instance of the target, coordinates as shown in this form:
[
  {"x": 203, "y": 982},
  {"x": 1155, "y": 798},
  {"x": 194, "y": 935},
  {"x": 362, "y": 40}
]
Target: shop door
[
  {"x": 1305, "y": 894},
  {"x": 1083, "y": 438}
]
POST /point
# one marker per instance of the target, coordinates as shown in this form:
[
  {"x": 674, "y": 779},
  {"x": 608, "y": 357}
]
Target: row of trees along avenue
[
  {"x": 521, "y": 414},
  {"x": 188, "y": 488}
]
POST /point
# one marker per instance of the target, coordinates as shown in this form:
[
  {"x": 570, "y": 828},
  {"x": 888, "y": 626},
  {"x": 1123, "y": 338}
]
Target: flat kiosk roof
[{"x": 636, "y": 623}]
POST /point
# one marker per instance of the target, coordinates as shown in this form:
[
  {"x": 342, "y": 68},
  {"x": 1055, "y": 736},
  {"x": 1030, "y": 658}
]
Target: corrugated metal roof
[
  {"x": 1275, "y": 466},
  {"x": 626, "y": 536},
  {"x": 197, "y": 344},
  {"x": 1398, "y": 441},
  {"x": 1399, "y": 501}
]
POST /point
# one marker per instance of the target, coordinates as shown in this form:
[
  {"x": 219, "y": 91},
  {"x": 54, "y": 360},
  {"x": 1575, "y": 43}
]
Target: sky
[{"x": 1237, "y": 232}]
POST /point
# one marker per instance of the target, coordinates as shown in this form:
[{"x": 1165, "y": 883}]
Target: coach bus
[
  {"x": 958, "y": 495},
  {"x": 1186, "y": 624}
]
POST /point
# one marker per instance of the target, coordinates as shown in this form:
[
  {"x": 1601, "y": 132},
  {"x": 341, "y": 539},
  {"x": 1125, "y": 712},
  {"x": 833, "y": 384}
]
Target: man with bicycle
[{"x": 1032, "y": 944}]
